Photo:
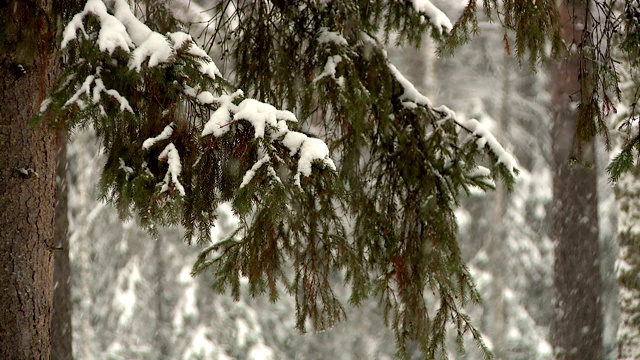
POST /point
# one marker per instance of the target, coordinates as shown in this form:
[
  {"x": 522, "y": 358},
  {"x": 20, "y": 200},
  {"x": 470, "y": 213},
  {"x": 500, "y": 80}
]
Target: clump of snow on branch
[
  {"x": 218, "y": 123},
  {"x": 437, "y": 18},
  {"x": 331, "y": 37},
  {"x": 261, "y": 115},
  {"x": 271, "y": 123},
  {"x": 207, "y": 66},
  {"x": 124, "y": 30},
  {"x": 266, "y": 117},
  {"x": 483, "y": 175},
  {"x": 112, "y": 35},
  {"x": 326, "y": 36},
  {"x": 252, "y": 172},
  {"x": 330, "y": 69},
  {"x": 94, "y": 95},
  {"x": 310, "y": 150},
  {"x": 123, "y": 166},
  {"x": 85, "y": 88},
  {"x": 45, "y": 105},
  {"x": 170, "y": 153},
  {"x": 410, "y": 94},
  {"x": 486, "y": 138},
  {"x": 412, "y": 97},
  {"x": 165, "y": 134},
  {"x": 99, "y": 88}
]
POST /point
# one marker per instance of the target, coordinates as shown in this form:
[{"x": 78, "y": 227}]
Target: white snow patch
[
  {"x": 261, "y": 115},
  {"x": 327, "y": 36},
  {"x": 310, "y": 149},
  {"x": 410, "y": 92},
  {"x": 127, "y": 169},
  {"x": 165, "y": 134},
  {"x": 330, "y": 69},
  {"x": 437, "y": 18},
  {"x": 252, "y": 172},
  {"x": 226, "y": 223},
  {"x": 219, "y": 120},
  {"x": 112, "y": 35},
  {"x": 260, "y": 352},
  {"x": 544, "y": 349},
  {"x": 170, "y": 153},
  {"x": 485, "y": 137},
  {"x": 99, "y": 88},
  {"x": 187, "y": 304},
  {"x": 242, "y": 332},
  {"x": 125, "y": 294},
  {"x": 201, "y": 347}
]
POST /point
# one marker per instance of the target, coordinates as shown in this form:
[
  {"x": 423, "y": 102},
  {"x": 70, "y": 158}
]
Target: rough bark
[
  {"x": 578, "y": 323},
  {"x": 27, "y": 176},
  {"x": 61, "y": 340}
]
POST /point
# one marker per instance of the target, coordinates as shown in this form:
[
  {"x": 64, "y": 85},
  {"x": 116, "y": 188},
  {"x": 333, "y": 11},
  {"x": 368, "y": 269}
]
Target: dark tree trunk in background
[
  {"x": 61, "y": 341},
  {"x": 578, "y": 324},
  {"x": 28, "y": 65}
]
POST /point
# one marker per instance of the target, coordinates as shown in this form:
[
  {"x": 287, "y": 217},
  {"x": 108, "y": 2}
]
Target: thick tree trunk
[
  {"x": 578, "y": 324},
  {"x": 27, "y": 175},
  {"x": 61, "y": 341}
]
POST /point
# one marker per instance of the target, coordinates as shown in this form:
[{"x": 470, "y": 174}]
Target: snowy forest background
[{"x": 134, "y": 298}]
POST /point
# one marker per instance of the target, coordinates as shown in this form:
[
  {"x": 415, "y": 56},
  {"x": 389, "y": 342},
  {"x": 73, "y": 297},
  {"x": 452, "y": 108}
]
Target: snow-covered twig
[
  {"x": 411, "y": 97},
  {"x": 170, "y": 153},
  {"x": 165, "y": 134}
]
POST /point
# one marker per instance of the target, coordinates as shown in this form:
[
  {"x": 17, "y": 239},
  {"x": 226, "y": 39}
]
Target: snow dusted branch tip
[
  {"x": 484, "y": 138},
  {"x": 168, "y": 130},
  {"x": 437, "y": 18},
  {"x": 171, "y": 156},
  {"x": 411, "y": 97}
]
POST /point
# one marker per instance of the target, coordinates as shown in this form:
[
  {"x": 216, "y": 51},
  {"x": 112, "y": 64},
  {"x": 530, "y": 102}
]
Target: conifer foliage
[{"x": 370, "y": 195}]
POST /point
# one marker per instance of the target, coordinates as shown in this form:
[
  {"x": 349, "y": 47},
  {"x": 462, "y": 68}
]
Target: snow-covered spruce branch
[
  {"x": 120, "y": 29},
  {"x": 339, "y": 53},
  {"x": 411, "y": 97},
  {"x": 268, "y": 123}
]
